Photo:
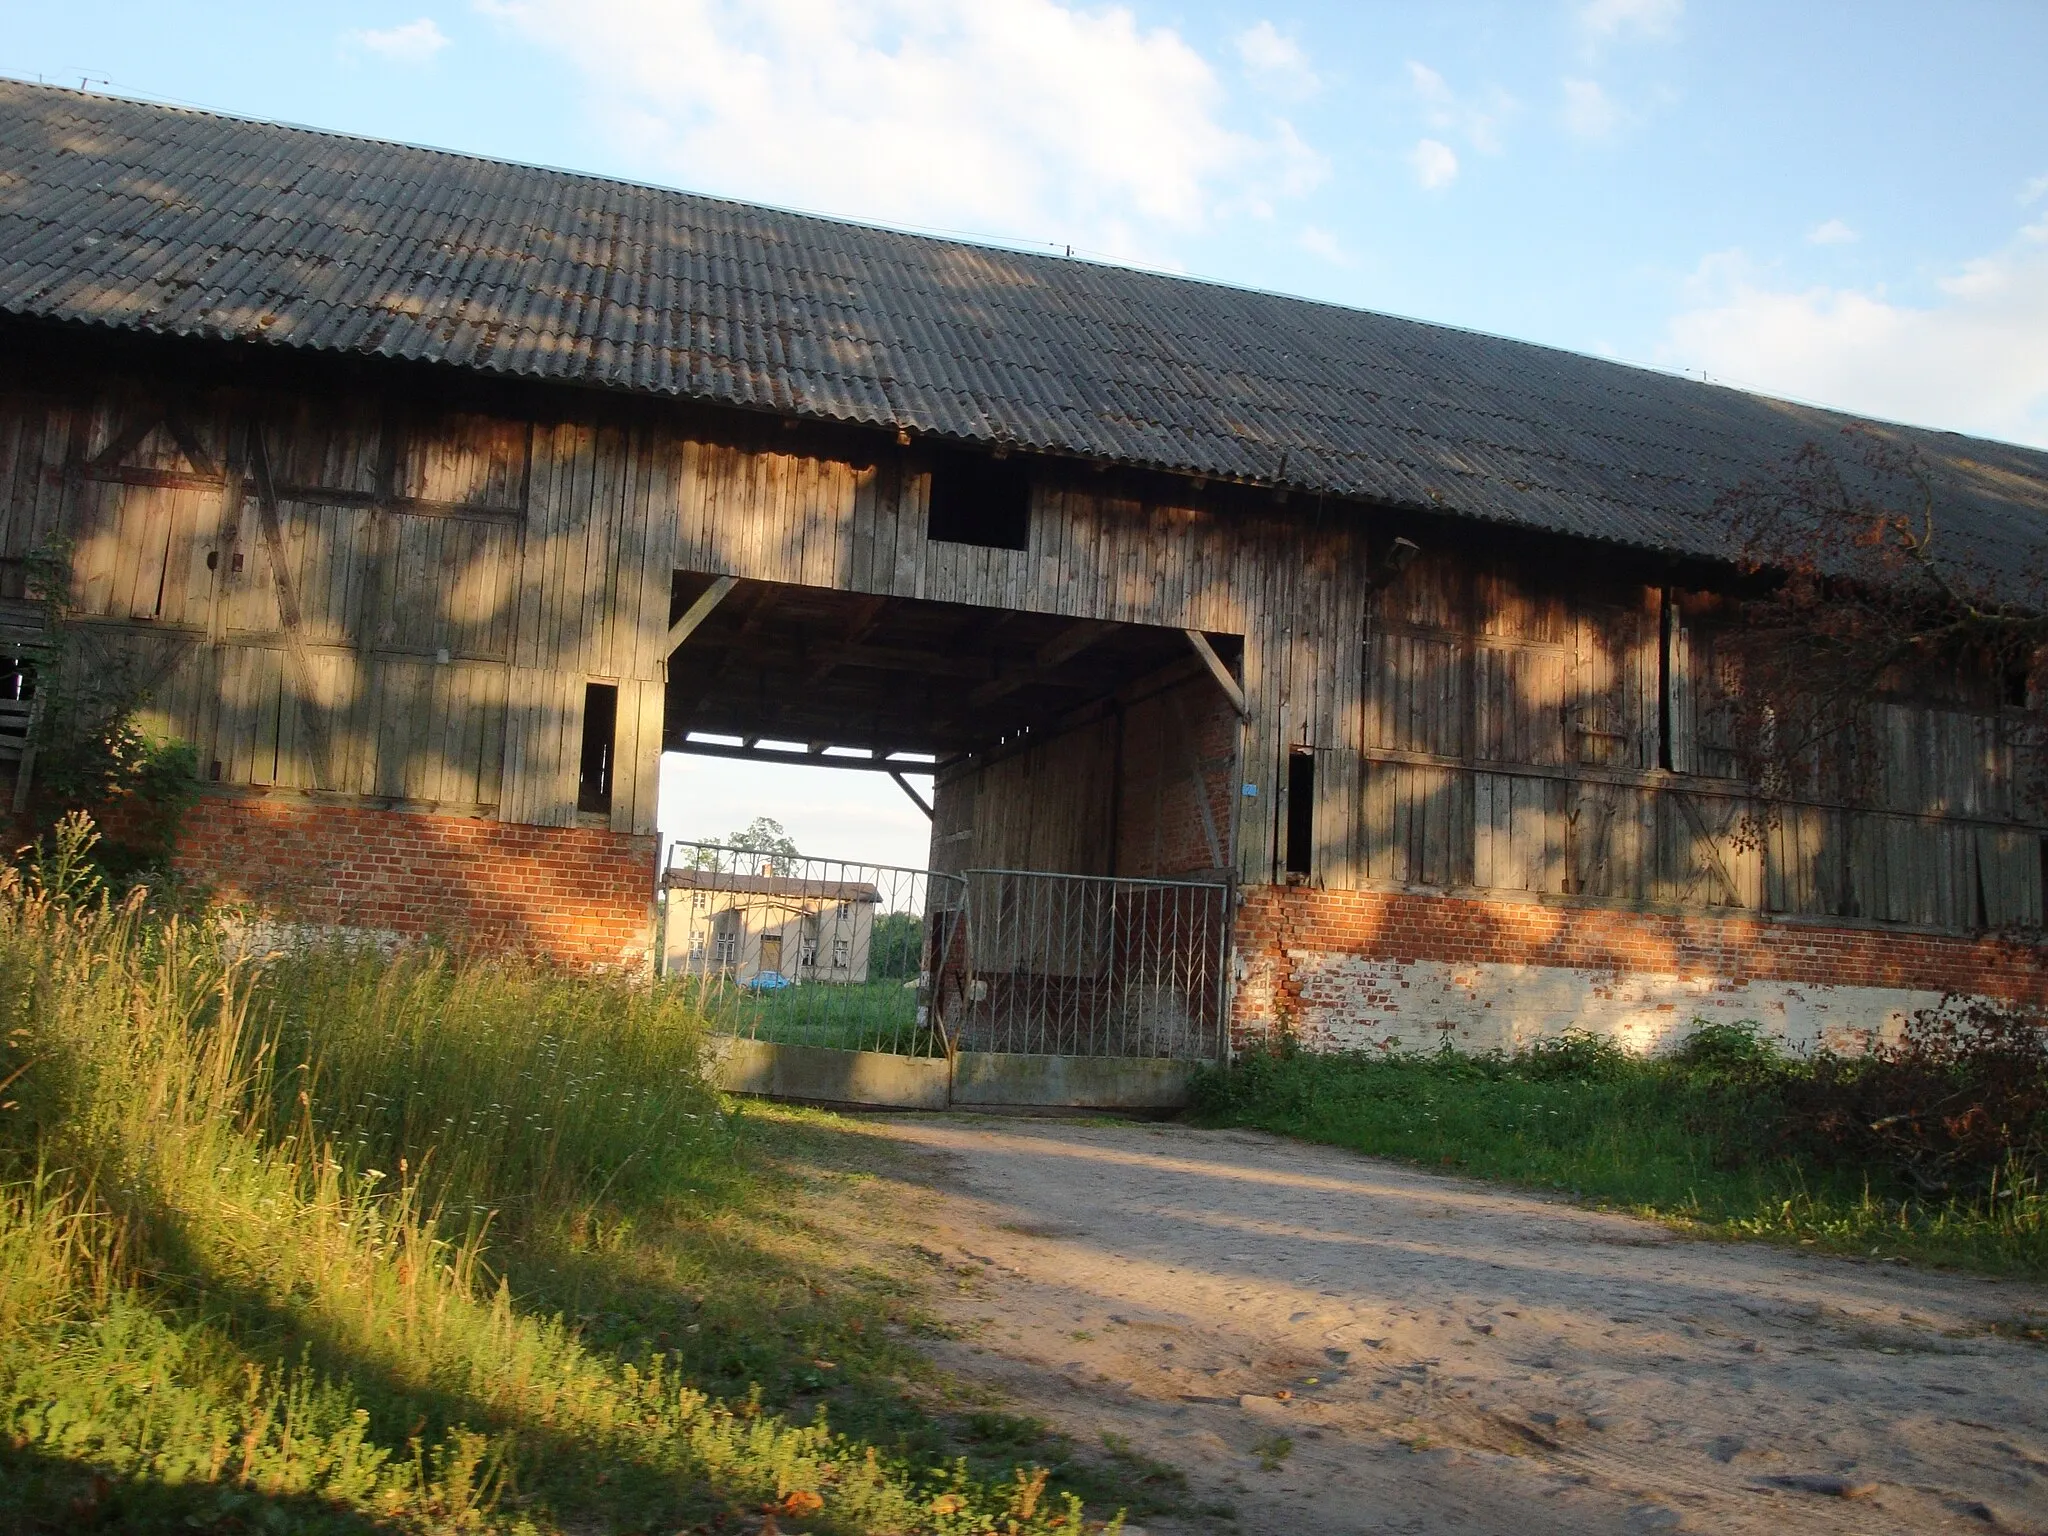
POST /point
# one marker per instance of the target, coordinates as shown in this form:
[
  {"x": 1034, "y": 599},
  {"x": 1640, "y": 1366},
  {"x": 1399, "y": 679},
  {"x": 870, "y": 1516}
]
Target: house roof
[
  {"x": 164, "y": 220},
  {"x": 788, "y": 886}
]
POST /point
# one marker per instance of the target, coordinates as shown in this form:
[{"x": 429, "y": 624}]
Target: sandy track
[{"x": 1455, "y": 1357}]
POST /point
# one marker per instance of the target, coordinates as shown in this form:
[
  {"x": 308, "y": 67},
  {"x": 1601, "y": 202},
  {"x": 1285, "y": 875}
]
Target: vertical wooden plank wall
[
  {"x": 348, "y": 635},
  {"x": 1512, "y": 735},
  {"x": 416, "y": 617}
]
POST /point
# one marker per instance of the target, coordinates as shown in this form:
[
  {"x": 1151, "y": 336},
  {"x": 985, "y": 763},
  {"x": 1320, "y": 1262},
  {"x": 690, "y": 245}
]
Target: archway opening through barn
[{"x": 1073, "y": 907}]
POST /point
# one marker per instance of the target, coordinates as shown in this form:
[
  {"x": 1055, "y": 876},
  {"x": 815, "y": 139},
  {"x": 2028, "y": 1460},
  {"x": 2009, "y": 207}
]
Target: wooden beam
[
  {"x": 698, "y": 612},
  {"x": 915, "y": 798},
  {"x": 1217, "y": 670},
  {"x": 1048, "y": 658},
  {"x": 896, "y": 658},
  {"x": 759, "y": 754},
  {"x": 866, "y": 615}
]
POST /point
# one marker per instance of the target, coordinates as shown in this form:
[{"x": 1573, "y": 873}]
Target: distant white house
[{"x": 740, "y": 927}]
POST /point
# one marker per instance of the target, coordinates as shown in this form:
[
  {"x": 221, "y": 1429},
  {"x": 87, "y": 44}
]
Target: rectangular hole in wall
[
  {"x": 976, "y": 499},
  {"x": 1301, "y": 810},
  {"x": 600, "y": 730},
  {"x": 1665, "y": 621}
]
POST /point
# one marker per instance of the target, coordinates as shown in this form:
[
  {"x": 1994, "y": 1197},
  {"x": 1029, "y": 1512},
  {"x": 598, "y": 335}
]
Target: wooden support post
[
  {"x": 697, "y": 613},
  {"x": 1217, "y": 670},
  {"x": 915, "y": 798}
]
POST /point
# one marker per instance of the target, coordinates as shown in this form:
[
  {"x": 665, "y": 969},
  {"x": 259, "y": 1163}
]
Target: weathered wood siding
[
  {"x": 1512, "y": 743},
  {"x": 347, "y": 598}
]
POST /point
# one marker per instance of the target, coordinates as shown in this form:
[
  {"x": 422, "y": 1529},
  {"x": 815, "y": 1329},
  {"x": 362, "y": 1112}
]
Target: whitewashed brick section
[{"x": 1351, "y": 1002}]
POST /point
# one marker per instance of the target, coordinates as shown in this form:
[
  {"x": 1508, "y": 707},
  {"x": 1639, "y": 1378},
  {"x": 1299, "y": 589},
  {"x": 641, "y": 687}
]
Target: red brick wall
[
  {"x": 1160, "y": 831},
  {"x": 1277, "y": 928},
  {"x": 582, "y": 896}
]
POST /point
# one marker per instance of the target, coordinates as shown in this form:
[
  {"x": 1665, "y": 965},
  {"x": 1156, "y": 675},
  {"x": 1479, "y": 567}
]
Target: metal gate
[
  {"x": 808, "y": 951},
  {"x": 958, "y": 973},
  {"x": 1090, "y": 966}
]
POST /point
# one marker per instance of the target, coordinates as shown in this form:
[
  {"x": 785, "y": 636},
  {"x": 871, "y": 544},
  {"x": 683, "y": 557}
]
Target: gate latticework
[
  {"x": 807, "y": 951},
  {"x": 1089, "y": 965},
  {"x": 873, "y": 957}
]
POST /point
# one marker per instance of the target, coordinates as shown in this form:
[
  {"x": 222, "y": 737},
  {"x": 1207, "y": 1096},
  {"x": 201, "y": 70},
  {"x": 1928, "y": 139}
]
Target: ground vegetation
[
  {"x": 337, "y": 1240},
  {"x": 1932, "y": 1147}
]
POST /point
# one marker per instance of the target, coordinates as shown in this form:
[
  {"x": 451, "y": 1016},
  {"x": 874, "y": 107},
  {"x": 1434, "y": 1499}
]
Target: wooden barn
[{"x": 432, "y": 498}]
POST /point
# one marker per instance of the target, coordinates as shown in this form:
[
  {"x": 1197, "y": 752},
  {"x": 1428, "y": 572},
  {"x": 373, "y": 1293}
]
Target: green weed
[{"x": 1699, "y": 1136}]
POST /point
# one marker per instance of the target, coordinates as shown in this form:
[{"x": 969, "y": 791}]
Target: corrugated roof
[{"x": 188, "y": 223}]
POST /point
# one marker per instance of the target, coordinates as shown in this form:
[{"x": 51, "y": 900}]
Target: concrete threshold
[{"x": 1000, "y": 1081}]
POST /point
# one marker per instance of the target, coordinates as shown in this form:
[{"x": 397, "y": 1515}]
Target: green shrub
[
  {"x": 1739, "y": 1052},
  {"x": 1576, "y": 1056}
]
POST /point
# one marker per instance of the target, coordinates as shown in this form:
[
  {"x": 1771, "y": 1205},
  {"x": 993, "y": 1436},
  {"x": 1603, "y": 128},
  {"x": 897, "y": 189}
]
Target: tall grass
[
  {"x": 1696, "y": 1137},
  {"x": 251, "y": 1217}
]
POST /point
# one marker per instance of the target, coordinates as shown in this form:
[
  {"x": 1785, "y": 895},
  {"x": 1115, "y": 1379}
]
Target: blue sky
[{"x": 1845, "y": 203}]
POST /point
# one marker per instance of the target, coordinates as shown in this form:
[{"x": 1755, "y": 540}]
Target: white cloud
[
  {"x": 1604, "y": 19},
  {"x": 1012, "y": 117},
  {"x": 1831, "y": 232},
  {"x": 1276, "y": 59},
  {"x": 1435, "y": 163},
  {"x": 1589, "y": 112},
  {"x": 1972, "y": 359},
  {"x": 2033, "y": 191},
  {"x": 1477, "y": 122},
  {"x": 413, "y": 42},
  {"x": 1318, "y": 241}
]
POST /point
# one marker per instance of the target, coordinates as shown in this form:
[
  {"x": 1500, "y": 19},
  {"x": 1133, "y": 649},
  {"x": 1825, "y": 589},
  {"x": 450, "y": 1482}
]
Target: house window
[
  {"x": 842, "y": 954},
  {"x": 726, "y": 947},
  {"x": 980, "y": 500},
  {"x": 600, "y": 729},
  {"x": 807, "y": 954}
]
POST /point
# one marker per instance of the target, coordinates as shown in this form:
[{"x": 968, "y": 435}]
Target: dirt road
[{"x": 1332, "y": 1344}]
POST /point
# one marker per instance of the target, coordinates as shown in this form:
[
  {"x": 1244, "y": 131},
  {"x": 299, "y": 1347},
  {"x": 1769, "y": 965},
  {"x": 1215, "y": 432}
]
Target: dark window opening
[
  {"x": 600, "y": 730},
  {"x": 1667, "y": 621},
  {"x": 2042, "y": 904},
  {"x": 1301, "y": 810},
  {"x": 980, "y": 500},
  {"x": 17, "y": 679},
  {"x": 2018, "y": 681}
]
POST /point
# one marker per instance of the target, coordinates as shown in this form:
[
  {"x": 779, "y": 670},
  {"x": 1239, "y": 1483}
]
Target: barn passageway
[
  {"x": 844, "y": 679},
  {"x": 1444, "y": 1356},
  {"x": 1082, "y": 828}
]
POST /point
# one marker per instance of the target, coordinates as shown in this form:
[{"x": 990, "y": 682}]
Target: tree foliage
[
  {"x": 764, "y": 834},
  {"x": 1857, "y": 592},
  {"x": 91, "y": 755}
]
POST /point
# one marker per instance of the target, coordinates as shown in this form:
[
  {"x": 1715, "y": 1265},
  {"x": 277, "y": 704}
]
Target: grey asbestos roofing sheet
[{"x": 185, "y": 223}]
